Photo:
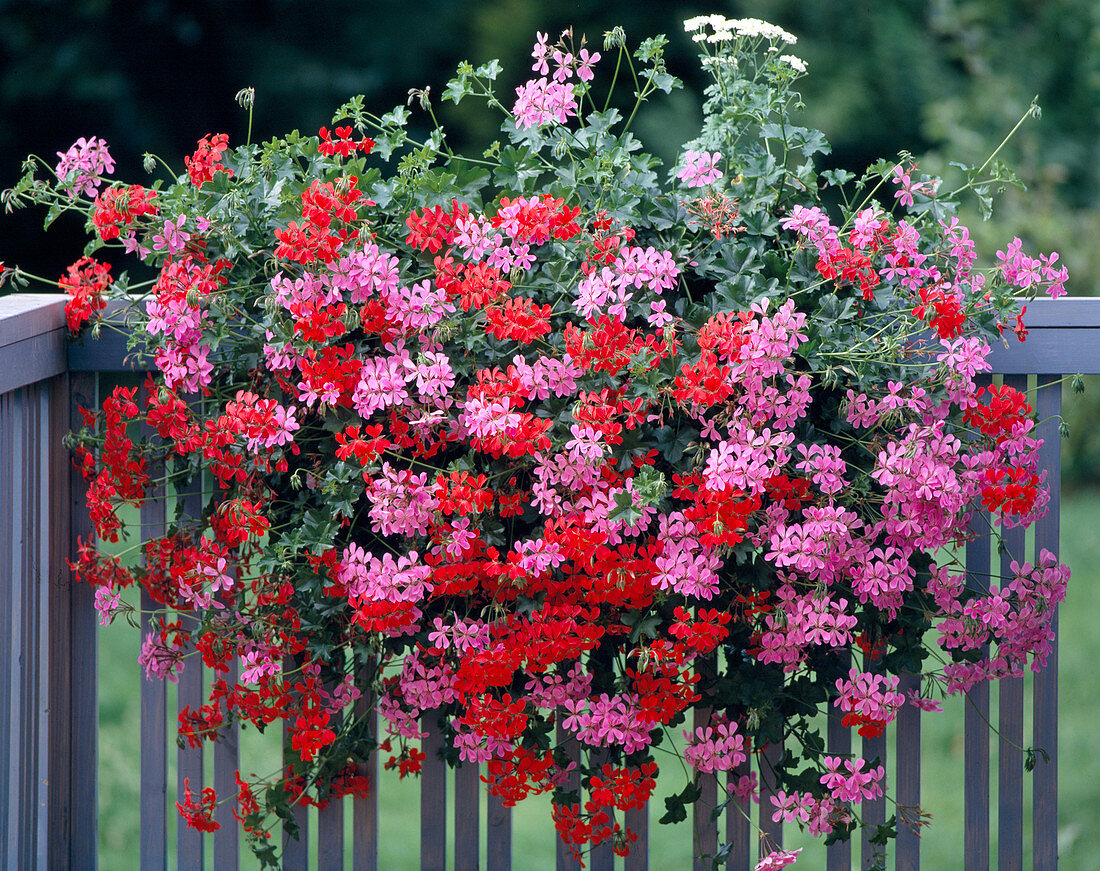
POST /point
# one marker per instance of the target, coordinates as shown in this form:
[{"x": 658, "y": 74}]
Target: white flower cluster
[
  {"x": 726, "y": 29},
  {"x": 796, "y": 63}
]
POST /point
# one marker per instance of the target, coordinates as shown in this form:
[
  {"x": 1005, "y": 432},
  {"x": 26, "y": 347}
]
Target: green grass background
[{"x": 942, "y": 795}]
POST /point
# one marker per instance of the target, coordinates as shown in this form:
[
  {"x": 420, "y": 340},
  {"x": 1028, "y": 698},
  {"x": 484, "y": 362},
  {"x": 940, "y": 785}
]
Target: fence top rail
[
  {"x": 33, "y": 344},
  {"x": 1069, "y": 312},
  {"x": 1063, "y": 338},
  {"x": 27, "y": 315}
]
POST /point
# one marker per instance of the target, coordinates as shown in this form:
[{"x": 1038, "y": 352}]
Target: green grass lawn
[{"x": 1079, "y": 763}]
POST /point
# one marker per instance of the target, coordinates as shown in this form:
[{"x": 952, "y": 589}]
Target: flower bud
[{"x": 614, "y": 38}]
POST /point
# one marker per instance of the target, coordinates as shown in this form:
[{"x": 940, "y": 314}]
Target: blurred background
[{"x": 942, "y": 79}]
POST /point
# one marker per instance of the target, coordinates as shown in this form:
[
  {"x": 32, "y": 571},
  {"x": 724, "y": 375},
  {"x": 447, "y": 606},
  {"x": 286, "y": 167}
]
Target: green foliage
[{"x": 676, "y": 806}]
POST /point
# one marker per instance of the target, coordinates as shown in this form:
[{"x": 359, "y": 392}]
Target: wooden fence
[{"x": 48, "y": 727}]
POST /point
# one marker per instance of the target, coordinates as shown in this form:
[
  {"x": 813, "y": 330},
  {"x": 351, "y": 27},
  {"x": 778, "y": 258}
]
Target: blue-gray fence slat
[
  {"x": 295, "y": 849},
  {"x": 872, "y": 812},
  {"x": 26, "y": 623},
  {"x": 154, "y": 708},
  {"x": 433, "y": 798},
  {"x": 330, "y": 836},
  {"x": 82, "y": 652},
  {"x": 365, "y": 808},
  {"x": 189, "y": 767},
  {"x": 48, "y": 660},
  {"x": 47, "y": 693},
  {"x": 1010, "y": 722},
  {"x": 637, "y": 820},
  {"x": 601, "y": 858},
  {"x": 772, "y": 830},
  {"x": 19, "y": 846},
  {"x": 838, "y": 856},
  {"x": 190, "y": 694},
  {"x": 58, "y": 830},
  {"x": 41, "y": 588},
  {"x": 976, "y": 723},
  {"x": 1010, "y": 758},
  {"x": 227, "y": 849},
  {"x": 738, "y": 821},
  {"x": 704, "y": 823},
  {"x": 154, "y": 761},
  {"x": 565, "y": 858},
  {"x": 1048, "y": 406},
  {"x": 467, "y": 817},
  {"x": 9, "y": 664},
  {"x": 498, "y": 854},
  {"x": 908, "y": 780}
]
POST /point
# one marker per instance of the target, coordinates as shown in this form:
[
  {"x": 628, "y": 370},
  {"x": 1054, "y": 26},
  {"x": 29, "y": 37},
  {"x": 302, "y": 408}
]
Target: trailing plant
[{"x": 555, "y": 443}]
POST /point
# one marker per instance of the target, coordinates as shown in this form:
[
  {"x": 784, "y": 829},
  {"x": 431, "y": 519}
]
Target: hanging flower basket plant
[{"x": 555, "y": 442}]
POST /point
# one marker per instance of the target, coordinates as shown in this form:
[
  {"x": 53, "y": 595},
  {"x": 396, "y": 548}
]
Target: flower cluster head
[
  {"x": 722, "y": 29},
  {"x": 715, "y": 748},
  {"x": 850, "y": 781},
  {"x": 81, "y": 169},
  {"x": 552, "y": 98},
  {"x": 547, "y": 435},
  {"x": 794, "y": 62},
  {"x": 542, "y": 101},
  {"x": 1025, "y": 272},
  {"x": 206, "y": 160},
  {"x": 700, "y": 169},
  {"x": 86, "y": 281},
  {"x": 777, "y": 859}
]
